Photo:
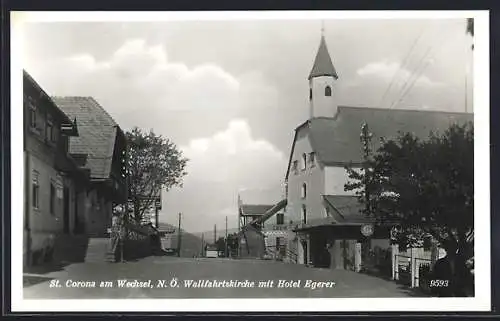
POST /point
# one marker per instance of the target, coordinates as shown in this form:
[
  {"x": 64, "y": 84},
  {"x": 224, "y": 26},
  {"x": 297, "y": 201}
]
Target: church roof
[
  {"x": 335, "y": 140},
  {"x": 323, "y": 65}
]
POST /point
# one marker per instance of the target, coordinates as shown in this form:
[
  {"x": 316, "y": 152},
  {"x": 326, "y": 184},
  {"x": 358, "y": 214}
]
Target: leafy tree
[
  {"x": 154, "y": 164},
  {"x": 220, "y": 244},
  {"x": 425, "y": 186},
  {"x": 469, "y": 29}
]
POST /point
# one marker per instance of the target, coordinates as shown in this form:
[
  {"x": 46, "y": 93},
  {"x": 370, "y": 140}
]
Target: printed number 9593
[{"x": 439, "y": 283}]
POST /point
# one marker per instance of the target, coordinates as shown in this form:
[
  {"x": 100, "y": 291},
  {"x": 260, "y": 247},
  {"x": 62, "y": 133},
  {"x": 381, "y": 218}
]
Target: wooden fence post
[
  {"x": 357, "y": 257},
  {"x": 394, "y": 260}
]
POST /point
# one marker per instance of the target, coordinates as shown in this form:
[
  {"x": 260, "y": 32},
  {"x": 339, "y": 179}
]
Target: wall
[
  {"x": 335, "y": 179},
  {"x": 98, "y": 213},
  {"x": 321, "y": 105},
  {"x": 45, "y": 225},
  {"x": 314, "y": 179}
]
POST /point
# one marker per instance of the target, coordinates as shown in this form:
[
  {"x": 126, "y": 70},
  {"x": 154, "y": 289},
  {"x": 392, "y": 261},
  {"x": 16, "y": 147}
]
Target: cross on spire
[{"x": 322, "y": 28}]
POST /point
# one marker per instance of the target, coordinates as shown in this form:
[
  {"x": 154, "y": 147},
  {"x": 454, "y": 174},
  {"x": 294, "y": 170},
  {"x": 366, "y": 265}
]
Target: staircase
[{"x": 98, "y": 250}]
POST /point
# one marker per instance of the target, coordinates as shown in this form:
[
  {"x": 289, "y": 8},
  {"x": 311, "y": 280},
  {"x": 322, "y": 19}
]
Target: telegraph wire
[
  {"x": 422, "y": 69},
  {"x": 403, "y": 64},
  {"x": 419, "y": 66}
]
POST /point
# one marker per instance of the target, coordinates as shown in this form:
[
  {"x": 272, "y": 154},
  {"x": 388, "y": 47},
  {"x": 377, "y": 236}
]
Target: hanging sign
[{"x": 367, "y": 230}]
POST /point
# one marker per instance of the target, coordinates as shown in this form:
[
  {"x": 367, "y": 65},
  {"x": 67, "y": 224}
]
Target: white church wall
[
  {"x": 321, "y": 105},
  {"x": 335, "y": 179},
  {"x": 312, "y": 176}
]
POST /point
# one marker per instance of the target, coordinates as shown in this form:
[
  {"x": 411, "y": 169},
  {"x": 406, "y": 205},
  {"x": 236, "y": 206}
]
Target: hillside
[
  {"x": 208, "y": 236},
  {"x": 190, "y": 244}
]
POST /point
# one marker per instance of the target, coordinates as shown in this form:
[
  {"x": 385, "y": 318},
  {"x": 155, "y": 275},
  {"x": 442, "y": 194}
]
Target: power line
[
  {"x": 416, "y": 73},
  {"x": 419, "y": 66},
  {"x": 422, "y": 69},
  {"x": 403, "y": 64}
]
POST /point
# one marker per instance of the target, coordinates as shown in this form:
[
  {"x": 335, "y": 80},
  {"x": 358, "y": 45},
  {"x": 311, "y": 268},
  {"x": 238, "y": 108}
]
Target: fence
[
  {"x": 139, "y": 241},
  {"x": 411, "y": 267}
]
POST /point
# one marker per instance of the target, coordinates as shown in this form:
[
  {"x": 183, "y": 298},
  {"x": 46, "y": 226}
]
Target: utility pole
[
  {"x": 202, "y": 246},
  {"x": 179, "y": 238},
  {"x": 225, "y": 241},
  {"x": 215, "y": 233},
  {"x": 239, "y": 227}
]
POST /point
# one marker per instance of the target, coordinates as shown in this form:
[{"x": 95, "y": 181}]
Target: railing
[
  {"x": 136, "y": 241},
  {"x": 404, "y": 268},
  {"x": 418, "y": 263},
  {"x": 281, "y": 252}
]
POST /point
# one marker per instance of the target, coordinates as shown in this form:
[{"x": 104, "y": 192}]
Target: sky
[{"x": 229, "y": 94}]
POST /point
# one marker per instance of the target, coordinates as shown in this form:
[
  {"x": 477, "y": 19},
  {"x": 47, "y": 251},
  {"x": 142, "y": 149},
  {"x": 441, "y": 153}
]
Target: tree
[
  {"x": 426, "y": 186},
  {"x": 469, "y": 29},
  {"x": 154, "y": 164},
  {"x": 220, "y": 244}
]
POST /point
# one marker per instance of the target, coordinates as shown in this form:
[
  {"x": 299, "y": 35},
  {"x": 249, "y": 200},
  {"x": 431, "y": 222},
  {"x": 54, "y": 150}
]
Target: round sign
[{"x": 367, "y": 230}]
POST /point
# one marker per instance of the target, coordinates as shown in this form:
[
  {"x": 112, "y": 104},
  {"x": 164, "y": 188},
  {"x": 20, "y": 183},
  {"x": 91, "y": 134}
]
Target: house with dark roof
[
  {"x": 261, "y": 228},
  {"x": 104, "y": 143},
  {"x": 53, "y": 174},
  {"x": 327, "y": 219}
]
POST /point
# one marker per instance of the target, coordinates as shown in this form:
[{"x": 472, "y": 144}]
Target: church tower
[{"x": 322, "y": 84}]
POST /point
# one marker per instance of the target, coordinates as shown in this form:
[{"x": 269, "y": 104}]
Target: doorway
[
  {"x": 66, "y": 210},
  {"x": 304, "y": 250}
]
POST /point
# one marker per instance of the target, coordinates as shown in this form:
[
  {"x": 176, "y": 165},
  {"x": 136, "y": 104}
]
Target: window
[
  {"x": 55, "y": 134},
  {"x": 52, "y": 198},
  {"x": 280, "y": 219},
  {"x": 49, "y": 129},
  {"x": 327, "y": 212},
  {"x": 35, "y": 188},
  {"x": 304, "y": 160},
  {"x": 310, "y": 94},
  {"x": 304, "y": 214},
  {"x": 304, "y": 190},
  {"x": 294, "y": 166},
  {"x": 312, "y": 159},
  {"x": 32, "y": 113},
  {"x": 328, "y": 91}
]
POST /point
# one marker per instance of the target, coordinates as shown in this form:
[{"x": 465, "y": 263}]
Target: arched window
[
  {"x": 304, "y": 190},
  {"x": 304, "y": 161},
  {"x": 304, "y": 214},
  {"x": 328, "y": 91},
  {"x": 310, "y": 94}
]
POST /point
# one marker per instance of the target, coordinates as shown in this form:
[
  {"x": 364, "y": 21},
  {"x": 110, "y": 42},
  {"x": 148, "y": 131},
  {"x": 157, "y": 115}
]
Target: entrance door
[
  {"x": 304, "y": 248},
  {"x": 77, "y": 228},
  {"x": 66, "y": 210}
]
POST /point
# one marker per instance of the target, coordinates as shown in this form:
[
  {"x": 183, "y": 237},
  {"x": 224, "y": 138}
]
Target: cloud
[
  {"x": 220, "y": 167},
  {"x": 140, "y": 86},
  {"x": 386, "y": 70},
  {"x": 235, "y": 157}
]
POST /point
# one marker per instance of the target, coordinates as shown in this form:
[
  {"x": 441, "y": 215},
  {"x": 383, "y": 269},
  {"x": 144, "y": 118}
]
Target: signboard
[{"x": 367, "y": 230}]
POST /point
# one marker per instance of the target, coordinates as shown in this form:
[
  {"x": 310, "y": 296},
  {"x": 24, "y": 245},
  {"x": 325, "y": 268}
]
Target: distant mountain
[
  {"x": 190, "y": 243},
  {"x": 208, "y": 236}
]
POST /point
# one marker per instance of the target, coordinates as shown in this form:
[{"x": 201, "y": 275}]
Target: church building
[{"x": 329, "y": 229}]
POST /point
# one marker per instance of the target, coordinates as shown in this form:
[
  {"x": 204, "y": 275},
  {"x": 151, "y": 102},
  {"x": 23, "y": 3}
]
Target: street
[{"x": 152, "y": 277}]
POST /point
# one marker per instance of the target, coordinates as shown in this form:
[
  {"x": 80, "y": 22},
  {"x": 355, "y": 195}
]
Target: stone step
[{"x": 97, "y": 250}]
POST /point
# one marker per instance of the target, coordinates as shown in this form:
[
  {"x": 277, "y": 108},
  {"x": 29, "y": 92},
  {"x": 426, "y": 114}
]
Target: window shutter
[{"x": 35, "y": 177}]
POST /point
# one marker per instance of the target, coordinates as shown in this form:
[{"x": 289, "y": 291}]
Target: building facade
[
  {"x": 103, "y": 142},
  {"x": 325, "y": 217},
  {"x": 53, "y": 178}
]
